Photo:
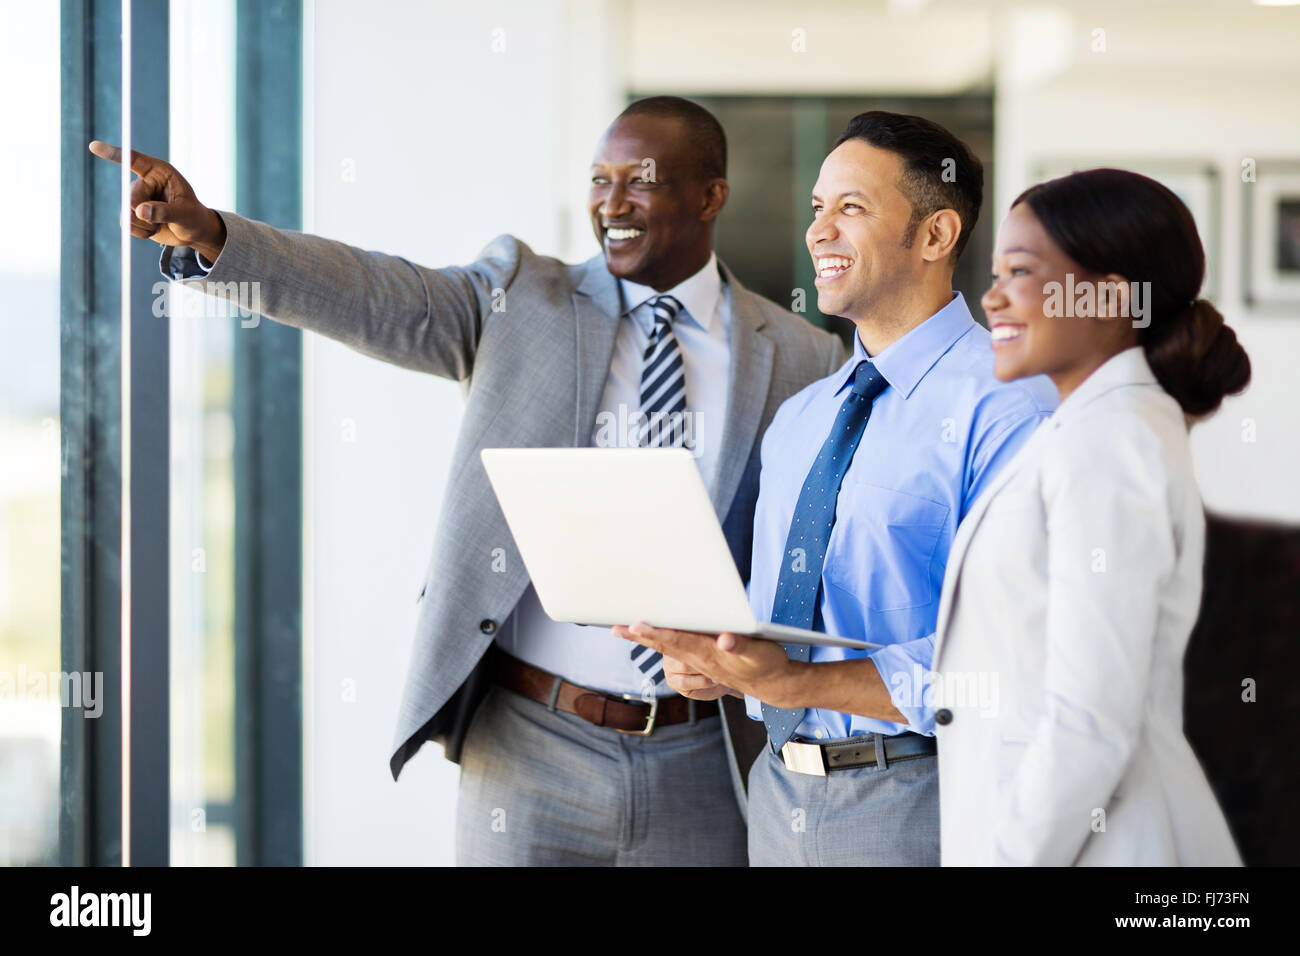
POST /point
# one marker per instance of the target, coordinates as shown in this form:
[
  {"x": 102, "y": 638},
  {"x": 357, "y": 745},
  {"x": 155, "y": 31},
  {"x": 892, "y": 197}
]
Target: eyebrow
[
  {"x": 853, "y": 193},
  {"x": 634, "y": 165},
  {"x": 1028, "y": 252}
]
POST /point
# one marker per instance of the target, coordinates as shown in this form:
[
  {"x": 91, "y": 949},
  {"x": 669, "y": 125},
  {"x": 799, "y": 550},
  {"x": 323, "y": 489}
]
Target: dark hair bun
[{"x": 1197, "y": 358}]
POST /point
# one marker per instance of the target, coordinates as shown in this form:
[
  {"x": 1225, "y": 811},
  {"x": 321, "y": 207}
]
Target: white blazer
[{"x": 1071, "y": 590}]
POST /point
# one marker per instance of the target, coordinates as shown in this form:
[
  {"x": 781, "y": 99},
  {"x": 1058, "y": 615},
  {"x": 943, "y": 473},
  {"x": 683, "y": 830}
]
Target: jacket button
[
  {"x": 943, "y": 716},
  {"x": 487, "y": 626}
]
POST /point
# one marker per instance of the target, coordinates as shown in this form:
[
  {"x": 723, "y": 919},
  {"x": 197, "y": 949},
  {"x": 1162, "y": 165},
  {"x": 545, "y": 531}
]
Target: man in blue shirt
[{"x": 865, "y": 477}]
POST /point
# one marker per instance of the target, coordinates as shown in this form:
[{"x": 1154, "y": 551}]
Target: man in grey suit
[{"x": 572, "y": 750}]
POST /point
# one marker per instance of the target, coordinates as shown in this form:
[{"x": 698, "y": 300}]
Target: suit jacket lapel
[
  {"x": 961, "y": 541},
  {"x": 749, "y": 374},
  {"x": 598, "y": 305}
]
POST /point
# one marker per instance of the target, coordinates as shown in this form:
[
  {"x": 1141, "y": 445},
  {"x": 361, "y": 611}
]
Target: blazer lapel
[
  {"x": 749, "y": 375},
  {"x": 961, "y": 541},
  {"x": 597, "y": 303}
]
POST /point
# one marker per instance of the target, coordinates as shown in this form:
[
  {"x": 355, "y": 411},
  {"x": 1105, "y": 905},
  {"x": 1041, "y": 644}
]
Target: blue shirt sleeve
[
  {"x": 1002, "y": 441},
  {"x": 905, "y": 669}
]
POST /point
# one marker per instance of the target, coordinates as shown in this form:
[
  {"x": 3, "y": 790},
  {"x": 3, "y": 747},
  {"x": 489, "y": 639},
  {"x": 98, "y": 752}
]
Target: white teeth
[
  {"x": 620, "y": 234},
  {"x": 828, "y": 266},
  {"x": 1005, "y": 333}
]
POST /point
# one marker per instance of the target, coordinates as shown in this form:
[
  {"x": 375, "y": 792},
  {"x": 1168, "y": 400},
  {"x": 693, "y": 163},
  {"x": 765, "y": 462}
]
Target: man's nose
[
  {"x": 821, "y": 228},
  {"x": 615, "y": 203}
]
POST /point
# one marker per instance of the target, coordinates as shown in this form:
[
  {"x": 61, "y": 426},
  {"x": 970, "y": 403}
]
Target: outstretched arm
[{"x": 384, "y": 306}]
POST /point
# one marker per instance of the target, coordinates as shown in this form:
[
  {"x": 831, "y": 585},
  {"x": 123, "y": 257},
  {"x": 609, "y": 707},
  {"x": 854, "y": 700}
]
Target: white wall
[
  {"x": 819, "y": 47},
  {"x": 1216, "y": 85},
  {"x": 422, "y": 141}
]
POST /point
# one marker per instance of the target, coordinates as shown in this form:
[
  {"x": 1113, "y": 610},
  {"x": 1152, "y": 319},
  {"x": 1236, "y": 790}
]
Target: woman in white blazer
[{"x": 1074, "y": 583}]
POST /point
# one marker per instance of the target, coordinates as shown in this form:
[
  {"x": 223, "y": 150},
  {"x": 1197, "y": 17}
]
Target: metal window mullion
[
  {"x": 90, "y": 812},
  {"x": 150, "y": 470},
  {"x": 268, "y": 462}
]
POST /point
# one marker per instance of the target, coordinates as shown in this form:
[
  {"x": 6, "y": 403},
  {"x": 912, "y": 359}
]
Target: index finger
[{"x": 141, "y": 163}]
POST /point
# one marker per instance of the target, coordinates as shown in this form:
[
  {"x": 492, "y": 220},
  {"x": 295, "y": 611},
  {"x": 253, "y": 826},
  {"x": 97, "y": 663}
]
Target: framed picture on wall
[
  {"x": 1270, "y": 253},
  {"x": 1194, "y": 181}
]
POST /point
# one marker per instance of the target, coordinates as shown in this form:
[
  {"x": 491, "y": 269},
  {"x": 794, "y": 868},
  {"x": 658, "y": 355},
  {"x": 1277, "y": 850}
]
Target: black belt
[{"x": 819, "y": 759}]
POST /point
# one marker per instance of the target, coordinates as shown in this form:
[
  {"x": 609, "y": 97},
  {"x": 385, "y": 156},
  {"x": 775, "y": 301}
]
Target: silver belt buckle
[
  {"x": 650, "y": 719},
  {"x": 804, "y": 758}
]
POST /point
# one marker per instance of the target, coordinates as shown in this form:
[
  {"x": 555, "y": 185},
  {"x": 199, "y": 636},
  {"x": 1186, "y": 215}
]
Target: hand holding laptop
[{"x": 709, "y": 666}]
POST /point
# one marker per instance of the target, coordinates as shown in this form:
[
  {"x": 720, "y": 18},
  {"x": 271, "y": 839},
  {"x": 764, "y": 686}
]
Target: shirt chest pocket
[{"x": 883, "y": 546}]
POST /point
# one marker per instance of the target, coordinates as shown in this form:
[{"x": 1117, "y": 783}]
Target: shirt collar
[
  {"x": 1129, "y": 367},
  {"x": 698, "y": 295},
  {"x": 905, "y": 362}
]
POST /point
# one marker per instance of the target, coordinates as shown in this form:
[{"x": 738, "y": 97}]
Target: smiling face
[
  {"x": 859, "y": 230},
  {"x": 651, "y": 209},
  {"x": 1029, "y": 338}
]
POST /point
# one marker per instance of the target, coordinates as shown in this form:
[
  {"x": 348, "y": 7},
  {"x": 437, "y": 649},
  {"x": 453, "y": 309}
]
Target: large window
[
  {"x": 201, "y": 115},
  {"x": 30, "y": 684},
  {"x": 150, "y": 503}
]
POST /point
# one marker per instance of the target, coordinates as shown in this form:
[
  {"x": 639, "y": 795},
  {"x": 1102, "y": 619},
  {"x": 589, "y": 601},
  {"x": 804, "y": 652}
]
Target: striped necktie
[
  {"x": 663, "y": 407},
  {"x": 798, "y": 587}
]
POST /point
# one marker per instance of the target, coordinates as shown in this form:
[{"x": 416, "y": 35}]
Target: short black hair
[
  {"x": 939, "y": 170},
  {"x": 702, "y": 127}
]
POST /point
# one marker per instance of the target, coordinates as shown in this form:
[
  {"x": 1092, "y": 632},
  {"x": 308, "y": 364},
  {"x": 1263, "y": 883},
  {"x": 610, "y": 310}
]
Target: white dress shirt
[
  {"x": 1070, "y": 594},
  {"x": 592, "y": 656}
]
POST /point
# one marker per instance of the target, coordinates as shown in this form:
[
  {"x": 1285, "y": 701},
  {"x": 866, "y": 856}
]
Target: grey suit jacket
[{"x": 532, "y": 337}]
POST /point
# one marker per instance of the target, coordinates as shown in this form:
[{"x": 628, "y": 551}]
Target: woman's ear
[{"x": 1113, "y": 297}]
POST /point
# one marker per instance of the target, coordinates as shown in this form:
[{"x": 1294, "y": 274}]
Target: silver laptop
[{"x": 620, "y": 535}]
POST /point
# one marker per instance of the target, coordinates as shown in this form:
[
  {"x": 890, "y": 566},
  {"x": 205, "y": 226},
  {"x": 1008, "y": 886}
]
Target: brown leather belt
[{"x": 628, "y": 714}]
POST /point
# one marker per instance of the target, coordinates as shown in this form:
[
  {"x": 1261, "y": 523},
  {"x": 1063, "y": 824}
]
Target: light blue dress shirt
[{"x": 936, "y": 436}]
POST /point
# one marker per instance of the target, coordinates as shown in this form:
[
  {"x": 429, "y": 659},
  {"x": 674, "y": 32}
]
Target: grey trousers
[
  {"x": 545, "y": 788},
  {"x": 864, "y": 816}
]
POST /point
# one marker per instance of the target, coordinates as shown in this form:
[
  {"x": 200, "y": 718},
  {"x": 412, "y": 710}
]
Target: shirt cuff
[
  {"x": 905, "y": 670},
  {"x": 183, "y": 262}
]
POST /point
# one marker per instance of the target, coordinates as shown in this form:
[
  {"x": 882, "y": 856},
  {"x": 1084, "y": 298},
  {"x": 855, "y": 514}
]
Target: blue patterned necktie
[
  {"x": 798, "y": 587},
  {"x": 663, "y": 403}
]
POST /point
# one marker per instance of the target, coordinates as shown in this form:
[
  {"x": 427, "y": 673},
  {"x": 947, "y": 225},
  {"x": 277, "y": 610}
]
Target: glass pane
[
  {"x": 202, "y": 110},
  {"x": 31, "y": 688}
]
